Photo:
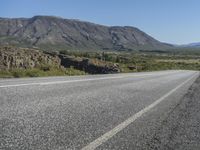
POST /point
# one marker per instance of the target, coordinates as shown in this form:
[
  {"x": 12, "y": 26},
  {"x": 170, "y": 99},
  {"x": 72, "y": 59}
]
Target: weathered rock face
[
  {"x": 21, "y": 58},
  {"x": 18, "y": 58},
  {"x": 48, "y": 31},
  {"x": 91, "y": 66}
]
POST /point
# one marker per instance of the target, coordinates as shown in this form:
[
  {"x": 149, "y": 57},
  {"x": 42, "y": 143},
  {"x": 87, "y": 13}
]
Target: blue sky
[{"x": 172, "y": 21}]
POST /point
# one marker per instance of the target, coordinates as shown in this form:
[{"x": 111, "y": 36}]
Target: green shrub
[
  {"x": 39, "y": 72},
  {"x": 34, "y": 73},
  {"x": 71, "y": 71}
]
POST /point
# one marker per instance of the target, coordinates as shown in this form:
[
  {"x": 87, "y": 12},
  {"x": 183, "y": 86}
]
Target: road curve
[{"x": 119, "y": 111}]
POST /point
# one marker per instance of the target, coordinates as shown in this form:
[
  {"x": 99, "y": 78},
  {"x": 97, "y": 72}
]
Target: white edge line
[
  {"x": 80, "y": 80},
  {"x": 93, "y": 145}
]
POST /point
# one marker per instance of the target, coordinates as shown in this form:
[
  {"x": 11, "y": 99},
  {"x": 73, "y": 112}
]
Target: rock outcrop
[
  {"x": 92, "y": 66},
  {"x": 21, "y": 58}
]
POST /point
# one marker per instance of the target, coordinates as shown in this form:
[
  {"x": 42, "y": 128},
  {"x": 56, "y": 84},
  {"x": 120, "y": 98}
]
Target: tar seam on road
[
  {"x": 108, "y": 135},
  {"x": 71, "y": 81}
]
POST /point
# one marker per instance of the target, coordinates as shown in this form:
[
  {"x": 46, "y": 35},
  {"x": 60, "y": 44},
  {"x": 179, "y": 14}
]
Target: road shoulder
[{"x": 181, "y": 129}]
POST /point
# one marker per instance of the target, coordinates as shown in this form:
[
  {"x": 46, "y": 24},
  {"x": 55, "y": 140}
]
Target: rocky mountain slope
[{"x": 57, "y": 33}]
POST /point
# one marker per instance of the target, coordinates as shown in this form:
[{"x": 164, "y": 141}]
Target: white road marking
[
  {"x": 81, "y": 80},
  {"x": 105, "y": 137},
  {"x": 16, "y": 85}
]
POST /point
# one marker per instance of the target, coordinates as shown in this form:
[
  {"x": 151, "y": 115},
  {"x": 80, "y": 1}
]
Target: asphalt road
[{"x": 120, "y": 111}]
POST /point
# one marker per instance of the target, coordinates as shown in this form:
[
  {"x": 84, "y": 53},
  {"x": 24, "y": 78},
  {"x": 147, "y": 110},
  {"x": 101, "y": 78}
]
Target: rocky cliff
[
  {"x": 92, "y": 66},
  {"x": 58, "y": 33},
  {"x": 26, "y": 58},
  {"x": 21, "y": 58}
]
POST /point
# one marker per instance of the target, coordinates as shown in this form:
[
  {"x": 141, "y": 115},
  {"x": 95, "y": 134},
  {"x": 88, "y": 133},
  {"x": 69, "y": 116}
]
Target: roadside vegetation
[
  {"x": 38, "y": 72},
  {"x": 188, "y": 59},
  {"x": 137, "y": 61}
]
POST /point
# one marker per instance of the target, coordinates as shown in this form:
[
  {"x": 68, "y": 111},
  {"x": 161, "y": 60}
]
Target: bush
[
  {"x": 34, "y": 73},
  {"x": 71, "y": 71},
  {"x": 38, "y": 72}
]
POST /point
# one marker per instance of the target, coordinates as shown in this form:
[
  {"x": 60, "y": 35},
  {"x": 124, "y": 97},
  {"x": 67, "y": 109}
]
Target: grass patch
[{"x": 36, "y": 72}]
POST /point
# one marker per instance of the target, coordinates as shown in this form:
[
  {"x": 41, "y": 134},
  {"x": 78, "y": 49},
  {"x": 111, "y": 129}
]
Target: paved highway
[{"x": 119, "y": 111}]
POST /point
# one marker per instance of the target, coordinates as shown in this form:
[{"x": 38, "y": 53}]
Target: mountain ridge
[
  {"x": 196, "y": 44},
  {"x": 59, "y": 33},
  {"x": 190, "y": 45}
]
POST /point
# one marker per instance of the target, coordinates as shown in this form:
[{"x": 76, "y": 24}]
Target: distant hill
[
  {"x": 192, "y": 45},
  {"x": 57, "y": 33}
]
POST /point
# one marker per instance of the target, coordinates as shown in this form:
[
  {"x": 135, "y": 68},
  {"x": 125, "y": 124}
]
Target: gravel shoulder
[{"x": 181, "y": 129}]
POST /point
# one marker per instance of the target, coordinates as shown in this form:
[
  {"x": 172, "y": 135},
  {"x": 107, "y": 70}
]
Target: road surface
[{"x": 118, "y": 111}]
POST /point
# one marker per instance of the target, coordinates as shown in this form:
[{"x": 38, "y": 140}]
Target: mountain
[
  {"x": 194, "y": 44},
  {"x": 58, "y": 33}
]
